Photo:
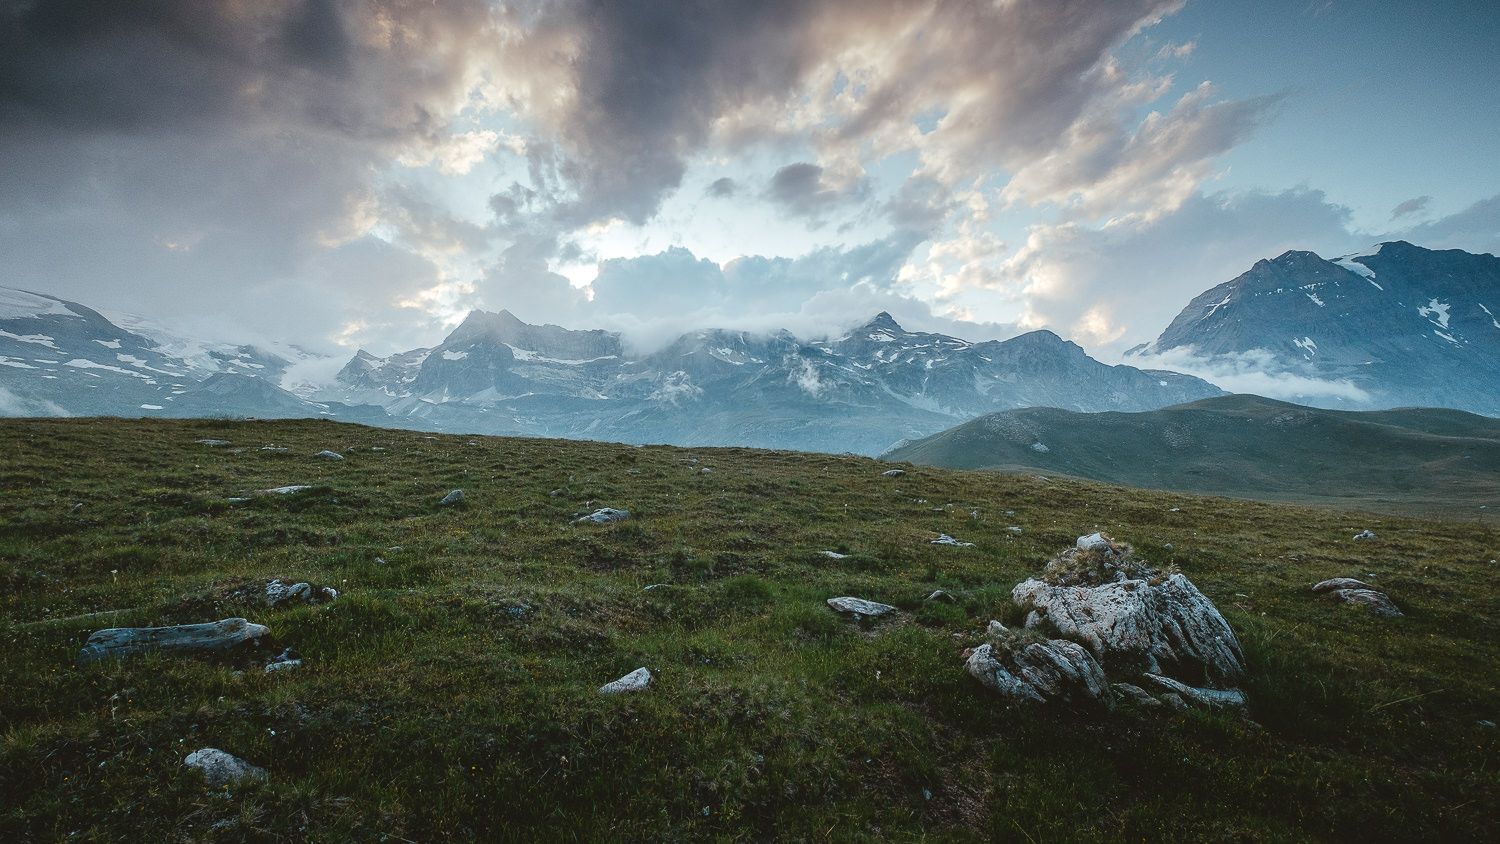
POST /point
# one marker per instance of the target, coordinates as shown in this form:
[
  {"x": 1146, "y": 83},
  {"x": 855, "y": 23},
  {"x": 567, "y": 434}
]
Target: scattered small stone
[
  {"x": 1014, "y": 529},
  {"x": 272, "y": 448},
  {"x": 212, "y": 443},
  {"x": 1167, "y": 545},
  {"x": 945, "y": 539},
  {"x": 603, "y": 515},
  {"x": 859, "y": 606},
  {"x": 636, "y": 681},
  {"x": 221, "y": 769},
  {"x": 893, "y": 473},
  {"x": 76, "y": 508},
  {"x": 944, "y": 597},
  {"x": 1365, "y": 535},
  {"x": 284, "y": 665},
  {"x": 562, "y": 490},
  {"x": 329, "y": 455},
  {"x": 834, "y": 555},
  {"x": 209, "y": 636},
  {"x": 655, "y": 586},
  {"x": 453, "y": 497},
  {"x": 286, "y": 490},
  {"x": 1490, "y": 724}
]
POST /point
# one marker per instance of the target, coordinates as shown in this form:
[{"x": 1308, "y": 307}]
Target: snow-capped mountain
[
  {"x": 61, "y": 358},
  {"x": 861, "y": 392},
  {"x": 1404, "y": 325},
  {"x": 495, "y": 374}
]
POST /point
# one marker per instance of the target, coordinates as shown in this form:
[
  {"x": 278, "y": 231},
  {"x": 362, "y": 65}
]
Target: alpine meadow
[{"x": 449, "y": 685}]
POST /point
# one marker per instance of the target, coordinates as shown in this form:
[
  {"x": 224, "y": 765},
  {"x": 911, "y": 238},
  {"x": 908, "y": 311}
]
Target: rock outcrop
[
  {"x": 1133, "y": 620},
  {"x": 1037, "y": 671}
]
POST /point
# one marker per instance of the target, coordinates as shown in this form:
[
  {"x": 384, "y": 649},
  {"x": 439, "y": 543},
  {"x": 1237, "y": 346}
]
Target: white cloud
[{"x": 1257, "y": 372}]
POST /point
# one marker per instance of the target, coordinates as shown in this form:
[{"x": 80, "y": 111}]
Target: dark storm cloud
[
  {"x": 160, "y": 152},
  {"x": 632, "y": 89}
]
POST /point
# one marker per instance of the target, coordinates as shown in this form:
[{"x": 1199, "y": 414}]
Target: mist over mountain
[
  {"x": 861, "y": 392},
  {"x": 495, "y": 374}
]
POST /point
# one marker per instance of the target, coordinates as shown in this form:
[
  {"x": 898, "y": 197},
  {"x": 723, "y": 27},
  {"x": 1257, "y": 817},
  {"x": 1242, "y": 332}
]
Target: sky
[{"x": 362, "y": 174}]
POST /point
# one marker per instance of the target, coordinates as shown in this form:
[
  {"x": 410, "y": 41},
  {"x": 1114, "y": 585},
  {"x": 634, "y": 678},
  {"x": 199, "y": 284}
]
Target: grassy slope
[
  {"x": 1417, "y": 461},
  {"x": 450, "y": 692}
]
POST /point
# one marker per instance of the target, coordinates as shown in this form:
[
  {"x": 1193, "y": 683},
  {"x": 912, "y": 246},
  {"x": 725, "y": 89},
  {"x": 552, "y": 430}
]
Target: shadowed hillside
[{"x": 1412, "y": 460}]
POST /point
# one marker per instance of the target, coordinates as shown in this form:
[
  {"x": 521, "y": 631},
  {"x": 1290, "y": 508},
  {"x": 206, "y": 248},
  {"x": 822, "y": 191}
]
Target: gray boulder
[
  {"x": 221, "y": 769},
  {"x": 453, "y": 497},
  {"x": 603, "y": 515},
  {"x": 1352, "y": 591},
  {"x": 636, "y": 681},
  {"x": 859, "y": 606},
  {"x": 329, "y": 455},
  {"x": 209, "y": 636}
]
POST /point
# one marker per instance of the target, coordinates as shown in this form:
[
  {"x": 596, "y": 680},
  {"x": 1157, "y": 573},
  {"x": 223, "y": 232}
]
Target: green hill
[
  {"x": 450, "y": 692},
  {"x": 1419, "y": 461}
]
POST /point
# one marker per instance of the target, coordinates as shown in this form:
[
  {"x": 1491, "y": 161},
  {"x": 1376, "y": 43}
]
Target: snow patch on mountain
[
  {"x": 38, "y": 339},
  {"x": 1436, "y": 307},
  {"x": 1353, "y": 266},
  {"x": 22, "y": 304}
]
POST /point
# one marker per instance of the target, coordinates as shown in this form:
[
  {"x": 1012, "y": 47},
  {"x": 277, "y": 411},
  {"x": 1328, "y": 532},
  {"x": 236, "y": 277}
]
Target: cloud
[
  {"x": 1119, "y": 285},
  {"x": 723, "y": 188},
  {"x": 1474, "y": 229},
  {"x": 1258, "y": 372},
  {"x": 13, "y": 405},
  {"x": 217, "y": 155},
  {"x": 631, "y": 92},
  {"x": 801, "y": 189},
  {"x": 1104, "y": 167},
  {"x": 1410, "y": 206}
]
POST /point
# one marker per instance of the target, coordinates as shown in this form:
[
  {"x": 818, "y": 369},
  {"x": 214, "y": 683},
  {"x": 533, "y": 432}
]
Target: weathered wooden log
[{"x": 209, "y": 636}]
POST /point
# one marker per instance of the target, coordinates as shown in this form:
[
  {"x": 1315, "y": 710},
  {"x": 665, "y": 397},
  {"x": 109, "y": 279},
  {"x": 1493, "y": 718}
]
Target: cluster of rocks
[
  {"x": 1096, "y": 615},
  {"x": 279, "y": 593}
]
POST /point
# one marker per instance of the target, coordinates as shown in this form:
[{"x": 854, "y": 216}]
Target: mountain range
[
  {"x": 875, "y": 385},
  {"x": 495, "y": 374},
  {"x": 1398, "y": 325}
]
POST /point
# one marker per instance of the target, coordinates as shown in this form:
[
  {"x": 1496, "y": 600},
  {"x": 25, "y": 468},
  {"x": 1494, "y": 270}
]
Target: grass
[{"x": 450, "y": 692}]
